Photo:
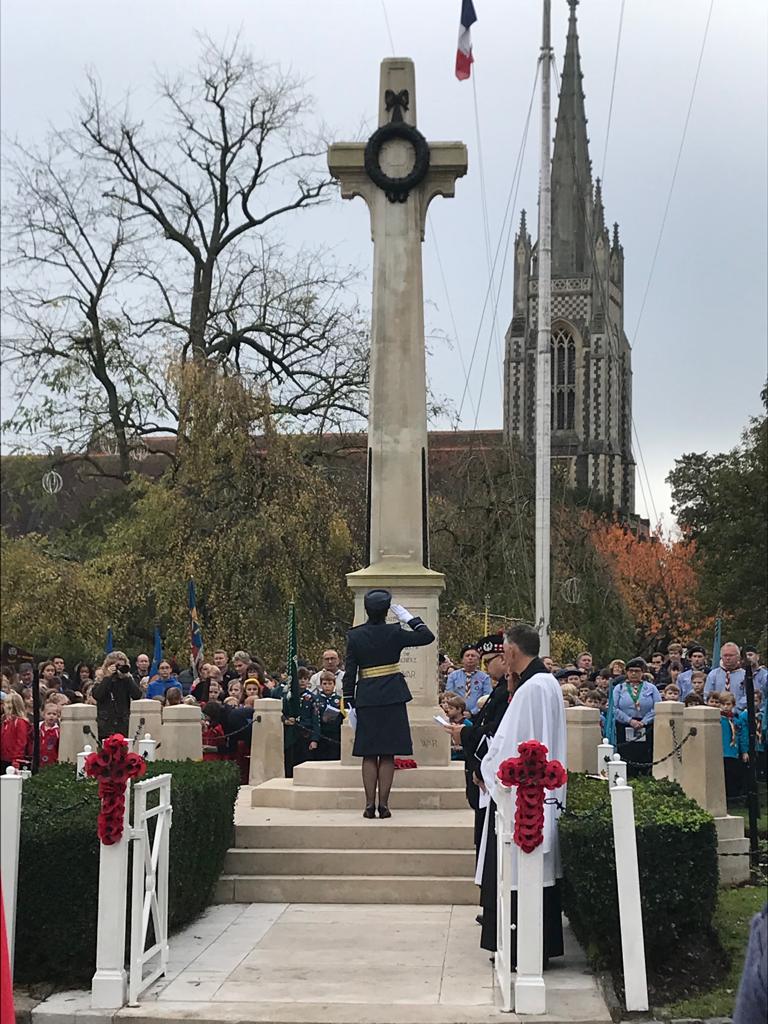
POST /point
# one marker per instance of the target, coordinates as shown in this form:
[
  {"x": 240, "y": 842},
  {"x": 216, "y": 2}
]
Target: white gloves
[{"x": 402, "y": 613}]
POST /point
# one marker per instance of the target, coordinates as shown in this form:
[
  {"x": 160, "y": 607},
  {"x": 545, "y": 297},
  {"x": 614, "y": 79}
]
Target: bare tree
[
  {"x": 233, "y": 158},
  {"x": 78, "y": 372}
]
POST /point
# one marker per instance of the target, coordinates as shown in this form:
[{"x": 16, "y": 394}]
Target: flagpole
[{"x": 543, "y": 358}]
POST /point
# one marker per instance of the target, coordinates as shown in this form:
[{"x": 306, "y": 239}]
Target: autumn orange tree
[{"x": 657, "y": 579}]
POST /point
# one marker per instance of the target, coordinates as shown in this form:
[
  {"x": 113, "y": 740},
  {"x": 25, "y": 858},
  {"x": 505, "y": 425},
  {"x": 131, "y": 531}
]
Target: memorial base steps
[{"x": 305, "y": 840}]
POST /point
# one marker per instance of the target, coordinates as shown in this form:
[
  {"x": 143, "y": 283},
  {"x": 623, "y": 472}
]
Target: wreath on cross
[{"x": 396, "y": 188}]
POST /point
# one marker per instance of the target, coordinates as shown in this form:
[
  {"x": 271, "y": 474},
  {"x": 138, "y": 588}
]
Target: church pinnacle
[{"x": 571, "y": 167}]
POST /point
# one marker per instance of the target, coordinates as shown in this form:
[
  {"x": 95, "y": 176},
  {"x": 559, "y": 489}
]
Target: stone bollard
[
  {"x": 583, "y": 735},
  {"x": 267, "y": 757},
  {"x": 668, "y": 732},
  {"x": 74, "y": 717},
  {"x": 182, "y": 734},
  {"x": 347, "y": 742},
  {"x": 152, "y": 713},
  {"x": 703, "y": 778}
]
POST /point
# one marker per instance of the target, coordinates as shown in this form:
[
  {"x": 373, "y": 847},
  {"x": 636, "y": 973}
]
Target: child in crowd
[
  {"x": 251, "y": 688},
  {"x": 570, "y": 695},
  {"x": 213, "y": 739},
  {"x": 302, "y": 723},
  {"x": 760, "y": 734},
  {"x": 698, "y": 682},
  {"x": 173, "y": 696},
  {"x": 235, "y": 689},
  {"x": 734, "y": 735},
  {"x": 694, "y": 700},
  {"x": 713, "y": 700},
  {"x": 49, "y": 735},
  {"x": 583, "y": 691},
  {"x": 331, "y": 717},
  {"x": 671, "y": 692},
  {"x": 456, "y": 712},
  {"x": 15, "y": 733},
  {"x": 595, "y": 699}
]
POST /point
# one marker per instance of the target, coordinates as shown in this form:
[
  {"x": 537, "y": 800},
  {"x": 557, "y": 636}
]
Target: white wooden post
[
  {"x": 505, "y": 814},
  {"x": 617, "y": 770},
  {"x": 148, "y": 748},
  {"x": 109, "y": 982},
  {"x": 10, "y": 831},
  {"x": 83, "y": 754},
  {"x": 530, "y": 992},
  {"x": 628, "y": 886},
  {"x": 604, "y": 754}
]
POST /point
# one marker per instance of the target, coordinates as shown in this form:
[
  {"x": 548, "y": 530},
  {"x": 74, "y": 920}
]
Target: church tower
[{"x": 591, "y": 355}]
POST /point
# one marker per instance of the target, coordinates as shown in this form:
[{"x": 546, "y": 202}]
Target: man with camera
[{"x": 113, "y": 695}]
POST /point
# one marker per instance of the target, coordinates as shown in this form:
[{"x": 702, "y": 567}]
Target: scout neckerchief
[
  {"x": 468, "y": 684},
  {"x": 727, "y": 680},
  {"x": 634, "y": 693}
]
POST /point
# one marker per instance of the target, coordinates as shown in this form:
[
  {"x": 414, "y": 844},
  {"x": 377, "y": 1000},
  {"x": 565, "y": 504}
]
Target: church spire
[{"x": 571, "y": 168}]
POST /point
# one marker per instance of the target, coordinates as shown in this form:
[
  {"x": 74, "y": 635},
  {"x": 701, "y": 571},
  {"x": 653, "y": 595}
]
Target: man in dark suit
[{"x": 376, "y": 688}]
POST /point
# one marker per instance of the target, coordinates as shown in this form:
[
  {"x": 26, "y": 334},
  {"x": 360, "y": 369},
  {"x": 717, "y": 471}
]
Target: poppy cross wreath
[
  {"x": 532, "y": 773},
  {"x": 113, "y": 766}
]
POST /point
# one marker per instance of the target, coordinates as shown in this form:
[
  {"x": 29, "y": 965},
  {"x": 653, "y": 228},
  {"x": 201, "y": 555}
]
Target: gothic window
[{"x": 563, "y": 379}]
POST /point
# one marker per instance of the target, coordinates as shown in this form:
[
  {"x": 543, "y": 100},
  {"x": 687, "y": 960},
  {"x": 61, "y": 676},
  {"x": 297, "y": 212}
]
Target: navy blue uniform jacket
[{"x": 378, "y": 644}]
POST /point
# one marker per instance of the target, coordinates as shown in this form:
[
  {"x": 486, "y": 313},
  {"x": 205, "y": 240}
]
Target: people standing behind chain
[
  {"x": 759, "y": 672},
  {"x": 728, "y": 677},
  {"x": 634, "y": 704},
  {"x": 468, "y": 682},
  {"x": 331, "y": 663},
  {"x": 733, "y": 725},
  {"x": 164, "y": 680},
  {"x": 331, "y": 716},
  {"x": 49, "y": 735}
]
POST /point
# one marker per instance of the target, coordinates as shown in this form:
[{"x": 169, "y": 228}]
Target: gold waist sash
[{"x": 378, "y": 670}]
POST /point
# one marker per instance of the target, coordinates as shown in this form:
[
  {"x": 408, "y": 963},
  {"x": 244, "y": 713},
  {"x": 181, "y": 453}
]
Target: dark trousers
[
  {"x": 734, "y": 777},
  {"x": 553, "y": 924}
]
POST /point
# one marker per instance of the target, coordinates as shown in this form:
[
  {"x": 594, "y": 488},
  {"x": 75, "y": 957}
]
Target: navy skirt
[{"x": 382, "y": 730}]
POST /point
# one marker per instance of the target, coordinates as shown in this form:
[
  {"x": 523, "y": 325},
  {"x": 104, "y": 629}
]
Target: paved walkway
[{"x": 275, "y": 963}]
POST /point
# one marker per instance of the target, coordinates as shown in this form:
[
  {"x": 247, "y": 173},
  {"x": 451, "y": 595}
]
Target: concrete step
[
  {"x": 283, "y": 793},
  {"x": 389, "y": 889},
  {"x": 449, "y": 863},
  {"x": 356, "y": 836},
  {"x": 335, "y": 774}
]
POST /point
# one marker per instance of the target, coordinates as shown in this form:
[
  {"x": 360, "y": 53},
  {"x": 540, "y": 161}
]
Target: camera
[{"x": 123, "y": 669}]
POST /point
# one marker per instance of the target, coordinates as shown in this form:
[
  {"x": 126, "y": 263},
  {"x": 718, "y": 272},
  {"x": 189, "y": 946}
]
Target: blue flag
[
  {"x": 195, "y": 633},
  {"x": 109, "y": 643},
  {"x": 157, "y": 655},
  {"x": 610, "y": 719}
]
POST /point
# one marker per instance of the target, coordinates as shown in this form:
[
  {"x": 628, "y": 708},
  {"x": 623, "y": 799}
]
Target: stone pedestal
[
  {"x": 583, "y": 737},
  {"x": 152, "y": 713},
  {"x": 267, "y": 760},
  {"x": 668, "y": 731},
  {"x": 703, "y": 778},
  {"x": 74, "y": 717},
  {"x": 182, "y": 734}
]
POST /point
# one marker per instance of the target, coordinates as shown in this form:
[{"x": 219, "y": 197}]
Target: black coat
[
  {"x": 113, "y": 696},
  {"x": 379, "y": 644}
]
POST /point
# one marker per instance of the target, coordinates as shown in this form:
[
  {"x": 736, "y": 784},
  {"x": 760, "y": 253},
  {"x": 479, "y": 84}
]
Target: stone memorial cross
[{"x": 397, "y": 172}]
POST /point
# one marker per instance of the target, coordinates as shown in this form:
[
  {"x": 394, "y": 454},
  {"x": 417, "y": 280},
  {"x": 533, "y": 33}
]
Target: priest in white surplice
[{"x": 535, "y": 712}]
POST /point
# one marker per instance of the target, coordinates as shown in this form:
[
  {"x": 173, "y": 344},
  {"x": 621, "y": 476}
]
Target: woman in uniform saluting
[{"x": 376, "y": 688}]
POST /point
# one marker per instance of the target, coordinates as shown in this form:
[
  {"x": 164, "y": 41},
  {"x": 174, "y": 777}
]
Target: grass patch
[
  {"x": 716, "y": 988},
  {"x": 741, "y": 810}
]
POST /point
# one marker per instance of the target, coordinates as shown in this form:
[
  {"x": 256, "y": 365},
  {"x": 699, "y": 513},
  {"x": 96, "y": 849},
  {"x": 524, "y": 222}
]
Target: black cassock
[
  {"x": 474, "y": 741},
  {"x": 553, "y": 915}
]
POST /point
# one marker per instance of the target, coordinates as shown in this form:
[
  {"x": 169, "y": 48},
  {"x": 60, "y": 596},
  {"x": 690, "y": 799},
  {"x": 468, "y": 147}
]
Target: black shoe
[
  {"x": 370, "y": 811},
  {"x": 384, "y": 811},
  {"x": 479, "y": 919}
]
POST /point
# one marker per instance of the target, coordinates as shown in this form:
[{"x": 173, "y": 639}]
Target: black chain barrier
[{"x": 674, "y": 751}]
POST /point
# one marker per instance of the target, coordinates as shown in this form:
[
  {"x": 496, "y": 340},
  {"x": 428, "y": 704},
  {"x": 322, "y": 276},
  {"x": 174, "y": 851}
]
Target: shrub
[
  {"x": 59, "y": 862},
  {"x": 677, "y": 857}
]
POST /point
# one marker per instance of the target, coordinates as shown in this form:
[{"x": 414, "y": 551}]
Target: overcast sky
[{"x": 699, "y": 349}]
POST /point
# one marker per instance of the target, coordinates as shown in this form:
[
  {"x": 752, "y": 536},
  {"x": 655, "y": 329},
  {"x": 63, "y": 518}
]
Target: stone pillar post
[
  {"x": 74, "y": 717},
  {"x": 583, "y": 737},
  {"x": 703, "y": 778},
  {"x": 668, "y": 731},
  {"x": 182, "y": 734},
  {"x": 152, "y": 713},
  {"x": 267, "y": 758}
]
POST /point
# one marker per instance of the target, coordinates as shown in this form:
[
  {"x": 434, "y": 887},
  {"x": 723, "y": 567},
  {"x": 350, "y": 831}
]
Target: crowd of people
[{"x": 624, "y": 692}]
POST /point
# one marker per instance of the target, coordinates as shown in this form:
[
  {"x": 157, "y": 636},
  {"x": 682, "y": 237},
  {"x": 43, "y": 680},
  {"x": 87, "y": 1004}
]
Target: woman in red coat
[{"x": 15, "y": 733}]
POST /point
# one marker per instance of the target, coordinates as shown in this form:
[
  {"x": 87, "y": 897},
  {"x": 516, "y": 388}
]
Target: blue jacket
[
  {"x": 158, "y": 687},
  {"x": 624, "y": 706},
  {"x": 480, "y": 685},
  {"x": 735, "y": 735}
]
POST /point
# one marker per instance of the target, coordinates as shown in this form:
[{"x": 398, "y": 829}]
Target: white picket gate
[
  {"x": 149, "y": 890},
  {"x": 505, "y": 951}
]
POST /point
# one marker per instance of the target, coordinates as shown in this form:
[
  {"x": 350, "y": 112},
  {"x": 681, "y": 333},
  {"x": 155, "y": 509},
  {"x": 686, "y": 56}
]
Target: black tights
[{"x": 379, "y": 770}]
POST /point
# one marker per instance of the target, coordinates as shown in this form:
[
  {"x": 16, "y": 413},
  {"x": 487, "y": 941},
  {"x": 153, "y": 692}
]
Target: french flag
[{"x": 464, "y": 56}]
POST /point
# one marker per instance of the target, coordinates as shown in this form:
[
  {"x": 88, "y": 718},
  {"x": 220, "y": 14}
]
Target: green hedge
[
  {"x": 677, "y": 857},
  {"x": 59, "y": 862}
]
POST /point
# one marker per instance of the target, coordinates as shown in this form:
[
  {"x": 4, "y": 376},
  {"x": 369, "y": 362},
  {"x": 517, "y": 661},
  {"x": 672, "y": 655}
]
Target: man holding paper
[
  {"x": 376, "y": 688},
  {"x": 535, "y": 712}
]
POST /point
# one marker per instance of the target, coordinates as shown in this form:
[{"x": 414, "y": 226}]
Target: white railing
[
  {"x": 149, "y": 890},
  {"x": 505, "y": 824},
  {"x": 10, "y": 833}
]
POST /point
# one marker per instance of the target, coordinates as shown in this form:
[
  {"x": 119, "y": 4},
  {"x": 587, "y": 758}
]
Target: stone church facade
[{"x": 591, "y": 355}]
